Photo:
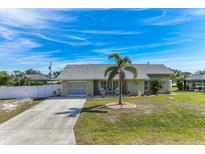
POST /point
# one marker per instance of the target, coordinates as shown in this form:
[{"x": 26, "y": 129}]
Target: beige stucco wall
[
  {"x": 134, "y": 87},
  {"x": 90, "y": 88},
  {"x": 165, "y": 82},
  {"x": 64, "y": 88},
  {"x": 89, "y": 84}
]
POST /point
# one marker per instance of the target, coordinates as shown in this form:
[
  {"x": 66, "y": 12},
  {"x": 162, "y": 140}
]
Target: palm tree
[{"x": 122, "y": 65}]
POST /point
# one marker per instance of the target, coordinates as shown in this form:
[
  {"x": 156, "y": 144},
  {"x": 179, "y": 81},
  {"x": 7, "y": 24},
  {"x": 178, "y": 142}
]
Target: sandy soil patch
[
  {"x": 115, "y": 105},
  {"x": 147, "y": 108},
  {"x": 197, "y": 107},
  {"x": 173, "y": 93},
  {"x": 10, "y": 105}
]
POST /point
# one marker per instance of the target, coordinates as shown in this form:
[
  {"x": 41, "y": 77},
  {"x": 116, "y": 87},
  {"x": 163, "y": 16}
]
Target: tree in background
[
  {"x": 19, "y": 78},
  {"x": 56, "y": 74},
  {"x": 179, "y": 75},
  {"x": 200, "y": 72},
  {"x": 32, "y": 71},
  {"x": 5, "y": 78},
  {"x": 178, "y": 78},
  {"x": 156, "y": 85}
]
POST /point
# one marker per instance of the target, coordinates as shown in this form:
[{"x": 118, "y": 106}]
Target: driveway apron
[{"x": 50, "y": 122}]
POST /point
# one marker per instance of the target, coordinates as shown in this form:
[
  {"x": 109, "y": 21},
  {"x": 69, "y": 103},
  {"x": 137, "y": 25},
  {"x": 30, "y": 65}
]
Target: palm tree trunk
[{"x": 120, "y": 95}]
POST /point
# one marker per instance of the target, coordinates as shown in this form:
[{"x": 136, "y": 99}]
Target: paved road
[{"x": 50, "y": 122}]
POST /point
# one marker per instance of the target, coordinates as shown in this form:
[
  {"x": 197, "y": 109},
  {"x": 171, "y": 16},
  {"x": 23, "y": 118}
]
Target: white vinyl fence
[{"x": 30, "y": 91}]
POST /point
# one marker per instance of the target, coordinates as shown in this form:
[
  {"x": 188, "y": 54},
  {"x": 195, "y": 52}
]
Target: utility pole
[{"x": 50, "y": 70}]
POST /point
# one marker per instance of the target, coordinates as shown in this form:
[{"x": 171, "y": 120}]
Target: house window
[
  {"x": 146, "y": 85},
  {"x": 103, "y": 85}
]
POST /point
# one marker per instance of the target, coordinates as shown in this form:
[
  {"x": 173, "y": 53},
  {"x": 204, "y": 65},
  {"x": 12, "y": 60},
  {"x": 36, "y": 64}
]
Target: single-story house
[
  {"x": 89, "y": 79},
  {"x": 195, "y": 83}
]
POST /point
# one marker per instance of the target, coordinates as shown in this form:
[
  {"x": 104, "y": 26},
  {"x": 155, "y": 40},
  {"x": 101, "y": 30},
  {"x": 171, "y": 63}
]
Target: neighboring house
[
  {"x": 195, "y": 83},
  {"x": 37, "y": 77},
  {"x": 89, "y": 80}
]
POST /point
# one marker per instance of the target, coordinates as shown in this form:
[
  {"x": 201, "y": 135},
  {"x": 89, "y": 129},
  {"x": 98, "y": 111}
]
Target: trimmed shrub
[{"x": 156, "y": 85}]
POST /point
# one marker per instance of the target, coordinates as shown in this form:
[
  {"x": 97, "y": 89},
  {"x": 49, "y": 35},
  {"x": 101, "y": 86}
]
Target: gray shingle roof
[
  {"x": 38, "y": 77},
  {"x": 195, "y": 77},
  {"x": 96, "y": 71}
]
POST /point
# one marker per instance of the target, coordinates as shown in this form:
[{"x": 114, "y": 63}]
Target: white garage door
[{"x": 77, "y": 89}]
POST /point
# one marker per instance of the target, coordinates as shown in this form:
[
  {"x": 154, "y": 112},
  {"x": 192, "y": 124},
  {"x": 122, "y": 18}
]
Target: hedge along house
[{"x": 88, "y": 79}]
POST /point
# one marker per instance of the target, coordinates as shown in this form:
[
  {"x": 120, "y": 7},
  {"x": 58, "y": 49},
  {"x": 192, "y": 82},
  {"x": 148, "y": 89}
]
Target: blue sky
[{"x": 30, "y": 38}]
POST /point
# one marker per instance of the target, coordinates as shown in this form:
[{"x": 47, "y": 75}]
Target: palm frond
[
  {"x": 127, "y": 60},
  {"x": 115, "y": 56},
  {"x": 121, "y": 63},
  {"x": 131, "y": 69},
  {"x": 110, "y": 68},
  {"x": 112, "y": 74}
]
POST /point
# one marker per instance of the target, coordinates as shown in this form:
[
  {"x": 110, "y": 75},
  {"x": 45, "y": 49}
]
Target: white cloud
[
  {"x": 75, "y": 37},
  {"x": 171, "y": 21},
  {"x": 65, "y": 39},
  {"x": 105, "y": 32},
  {"x": 48, "y": 38},
  {"x": 19, "y": 45},
  {"x": 168, "y": 19},
  {"x": 87, "y": 60},
  {"x": 17, "y": 22},
  {"x": 165, "y": 19},
  {"x": 137, "y": 9},
  {"x": 156, "y": 53},
  {"x": 68, "y": 42},
  {"x": 168, "y": 42},
  {"x": 112, "y": 50},
  {"x": 7, "y": 33},
  {"x": 34, "y": 18},
  {"x": 19, "y": 55},
  {"x": 197, "y": 12},
  {"x": 153, "y": 19}
]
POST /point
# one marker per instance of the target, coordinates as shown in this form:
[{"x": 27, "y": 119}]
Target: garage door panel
[{"x": 77, "y": 89}]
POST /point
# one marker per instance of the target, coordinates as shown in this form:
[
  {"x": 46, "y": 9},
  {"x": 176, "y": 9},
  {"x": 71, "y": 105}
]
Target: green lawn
[
  {"x": 7, "y": 114},
  {"x": 163, "y": 119}
]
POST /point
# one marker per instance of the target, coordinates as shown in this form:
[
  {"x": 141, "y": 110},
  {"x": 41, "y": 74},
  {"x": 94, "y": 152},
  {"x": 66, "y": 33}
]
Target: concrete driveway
[{"x": 50, "y": 122}]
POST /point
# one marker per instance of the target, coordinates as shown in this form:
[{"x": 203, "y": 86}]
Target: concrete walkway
[{"x": 50, "y": 122}]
